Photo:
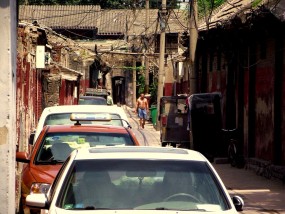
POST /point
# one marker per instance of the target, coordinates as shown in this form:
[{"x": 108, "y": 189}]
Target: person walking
[{"x": 142, "y": 108}]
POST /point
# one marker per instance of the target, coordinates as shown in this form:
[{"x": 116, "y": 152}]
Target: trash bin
[{"x": 153, "y": 113}]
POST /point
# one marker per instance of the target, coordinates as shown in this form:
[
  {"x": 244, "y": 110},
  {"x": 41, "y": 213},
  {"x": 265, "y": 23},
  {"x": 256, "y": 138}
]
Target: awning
[{"x": 67, "y": 73}]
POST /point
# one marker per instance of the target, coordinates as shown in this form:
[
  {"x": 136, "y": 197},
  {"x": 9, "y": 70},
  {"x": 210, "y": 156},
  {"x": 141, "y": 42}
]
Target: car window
[
  {"x": 92, "y": 101},
  {"x": 64, "y": 119},
  {"x": 142, "y": 185},
  {"x": 56, "y": 147},
  {"x": 58, "y": 119}
]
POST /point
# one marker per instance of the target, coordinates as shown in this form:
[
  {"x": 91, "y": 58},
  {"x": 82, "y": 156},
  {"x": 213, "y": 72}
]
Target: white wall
[{"x": 8, "y": 50}]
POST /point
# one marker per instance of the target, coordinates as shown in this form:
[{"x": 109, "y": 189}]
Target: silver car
[{"x": 136, "y": 180}]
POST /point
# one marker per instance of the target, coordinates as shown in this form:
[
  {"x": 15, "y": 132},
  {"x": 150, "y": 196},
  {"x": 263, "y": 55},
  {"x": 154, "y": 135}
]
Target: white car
[
  {"x": 60, "y": 115},
  {"x": 136, "y": 180}
]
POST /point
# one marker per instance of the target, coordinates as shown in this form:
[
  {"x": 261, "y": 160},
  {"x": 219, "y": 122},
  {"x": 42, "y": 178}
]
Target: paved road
[
  {"x": 260, "y": 195},
  {"x": 147, "y": 136}
]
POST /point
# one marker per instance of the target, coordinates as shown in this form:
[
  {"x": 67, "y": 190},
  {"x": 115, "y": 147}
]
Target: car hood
[{"x": 45, "y": 173}]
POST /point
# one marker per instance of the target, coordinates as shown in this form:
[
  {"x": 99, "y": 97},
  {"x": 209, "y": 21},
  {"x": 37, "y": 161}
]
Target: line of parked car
[{"x": 86, "y": 159}]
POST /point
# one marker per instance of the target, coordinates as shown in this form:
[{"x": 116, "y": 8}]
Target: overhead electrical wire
[
  {"x": 153, "y": 38},
  {"x": 178, "y": 20}
]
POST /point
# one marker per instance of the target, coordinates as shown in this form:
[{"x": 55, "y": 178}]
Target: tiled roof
[
  {"x": 134, "y": 21},
  {"x": 176, "y": 22},
  {"x": 106, "y": 21},
  {"x": 61, "y": 16},
  {"x": 222, "y": 14},
  {"x": 232, "y": 8},
  {"x": 112, "y": 22}
]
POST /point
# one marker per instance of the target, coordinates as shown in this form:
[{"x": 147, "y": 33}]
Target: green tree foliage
[
  {"x": 140, "y": 84},
  {"x": 205, "y": 7}
]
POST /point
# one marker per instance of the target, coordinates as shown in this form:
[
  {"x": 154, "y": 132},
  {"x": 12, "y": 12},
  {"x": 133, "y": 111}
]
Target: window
[{"x": 142, "y": 185}]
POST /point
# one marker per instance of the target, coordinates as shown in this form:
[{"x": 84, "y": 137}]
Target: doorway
[{"x": 118, "y": 86}]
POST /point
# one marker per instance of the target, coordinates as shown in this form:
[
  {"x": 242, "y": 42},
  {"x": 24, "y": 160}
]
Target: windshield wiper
[
  {"x": 161, "y": 208},
  {"x": 84, "y": 208},
  {"x": 164, "y": 208},
  {"x": 91, "y": 208}
]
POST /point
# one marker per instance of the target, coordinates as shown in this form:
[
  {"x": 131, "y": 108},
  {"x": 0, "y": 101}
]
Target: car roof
[
  {"x": 86, "y": 128},
  {"x": 141, "y": 152},
  {"x": 114, "y": 109},
  {"x": 81, "y": 108}
]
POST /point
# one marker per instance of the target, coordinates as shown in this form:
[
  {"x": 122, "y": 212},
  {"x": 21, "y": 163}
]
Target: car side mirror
[
  {"x": 238, "y": 202},
  {"x": 22, "y": 157},
  {"x": 37, "y": 201}
]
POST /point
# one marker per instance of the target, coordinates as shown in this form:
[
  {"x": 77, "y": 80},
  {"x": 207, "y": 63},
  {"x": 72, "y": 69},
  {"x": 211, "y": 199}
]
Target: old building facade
[
  {"x": 46, "y": 76},
  {"x": 242, "y": 56}
]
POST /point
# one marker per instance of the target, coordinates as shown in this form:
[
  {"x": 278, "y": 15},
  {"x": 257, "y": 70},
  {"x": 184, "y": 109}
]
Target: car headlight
[{"x": 39, "y": 188}]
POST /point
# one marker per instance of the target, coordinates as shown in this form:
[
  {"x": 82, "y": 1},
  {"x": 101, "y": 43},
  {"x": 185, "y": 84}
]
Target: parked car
[
  {"x": 92, "y": 100},
  {"x": 60, "y": 115},
  {"x": 99, "y": 92},
  {"x": 55, "y": 143},
  {"x": 136, "y": 180}
]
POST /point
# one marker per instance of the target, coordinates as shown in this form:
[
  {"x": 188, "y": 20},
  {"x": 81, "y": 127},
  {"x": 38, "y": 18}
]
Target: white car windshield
[{"x": 142, "y": 185}]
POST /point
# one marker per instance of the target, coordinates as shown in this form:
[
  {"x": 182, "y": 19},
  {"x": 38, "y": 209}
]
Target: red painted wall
[
  {"x": 27, "y": 101},
  {"x": 84, "y": 83},
  {"x": 168, "y": 89},
  {"x": 264, "y": 112}
]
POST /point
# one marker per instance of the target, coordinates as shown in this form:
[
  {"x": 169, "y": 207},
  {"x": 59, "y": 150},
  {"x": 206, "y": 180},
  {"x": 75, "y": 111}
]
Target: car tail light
[
  {"x": 39, "y": 188},
  {"x": 163, "y": 120}
]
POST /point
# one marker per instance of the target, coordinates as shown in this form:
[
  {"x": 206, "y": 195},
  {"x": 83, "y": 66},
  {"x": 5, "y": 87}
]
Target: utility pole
[
  {"x": 146, "y": 37},
  {"x": 192, "y": 46},
  {"x": 8, "y": 51},
  {"x": 192, "y": 53},
  {"x": 161, "y": 72},
  {"x": 134, "y": 83}
]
